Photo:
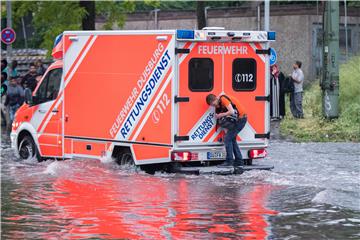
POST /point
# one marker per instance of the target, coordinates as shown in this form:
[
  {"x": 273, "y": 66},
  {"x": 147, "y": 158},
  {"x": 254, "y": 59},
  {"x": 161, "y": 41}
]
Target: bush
[{"x": 315, "y": 127}]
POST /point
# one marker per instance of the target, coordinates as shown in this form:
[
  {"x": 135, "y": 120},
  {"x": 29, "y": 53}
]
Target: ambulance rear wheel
[
  {"x": 125, "y": 158},
  {"x": 27, "y": 148}
]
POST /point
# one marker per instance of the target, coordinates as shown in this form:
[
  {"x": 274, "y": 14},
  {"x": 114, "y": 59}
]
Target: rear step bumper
[{"x": 221, "y": 170}]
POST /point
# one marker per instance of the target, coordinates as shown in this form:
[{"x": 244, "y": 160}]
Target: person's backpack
[
  {"x": 228, "y": 122},
  {"x": 288, "y": 85}
]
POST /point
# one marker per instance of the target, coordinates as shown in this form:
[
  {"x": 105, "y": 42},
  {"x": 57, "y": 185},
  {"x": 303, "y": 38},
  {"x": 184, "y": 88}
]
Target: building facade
[{"x": 298, "y": 28}]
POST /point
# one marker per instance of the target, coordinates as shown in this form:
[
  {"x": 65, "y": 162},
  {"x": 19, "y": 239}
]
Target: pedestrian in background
[
  {"x": 4, "y": 79},
  {"x": 40, "y": 69},
  {"x": 13, "y": 70},
  {"x": 296, "y": 97},
  {"x": 30, "y": 79},
  {"x": 14, "y": 97},
  {"x": 277, "y": 93},
  {"x": 4, "y": 67},
  {"x": 4, "y": 86}
]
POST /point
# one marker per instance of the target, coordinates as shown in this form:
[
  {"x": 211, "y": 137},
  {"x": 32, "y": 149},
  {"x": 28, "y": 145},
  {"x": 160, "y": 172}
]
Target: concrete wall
[{"x": 294, "y": 26}]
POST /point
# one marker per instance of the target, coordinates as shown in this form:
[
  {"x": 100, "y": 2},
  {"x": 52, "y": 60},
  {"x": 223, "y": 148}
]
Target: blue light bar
[
  {"x": 185, "y": 34},
  {"x": 58, "y": 39},
  {"x": 271, "y": 35}
]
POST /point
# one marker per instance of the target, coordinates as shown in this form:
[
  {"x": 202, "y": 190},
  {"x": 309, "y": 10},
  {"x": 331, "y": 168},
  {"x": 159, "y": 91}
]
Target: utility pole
[
  {"x": 9, "y": 25},
  {"x": 267, "y": 15},
  {"x": 330, "y": 76},
  {"x": 206, "y": 16}
]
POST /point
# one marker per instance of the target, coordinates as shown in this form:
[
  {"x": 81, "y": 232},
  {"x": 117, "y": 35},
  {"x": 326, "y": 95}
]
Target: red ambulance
[{"x": 139, "y": 97}]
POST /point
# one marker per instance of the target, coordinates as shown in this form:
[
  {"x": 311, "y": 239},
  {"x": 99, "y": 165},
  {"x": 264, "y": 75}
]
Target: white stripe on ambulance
[{"x": 143, "y": 98}]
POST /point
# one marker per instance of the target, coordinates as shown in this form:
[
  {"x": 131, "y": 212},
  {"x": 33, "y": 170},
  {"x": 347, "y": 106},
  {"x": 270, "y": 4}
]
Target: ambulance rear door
[
  {"x": 199, "y": 74},
  {"x": 246, "y": 78}
]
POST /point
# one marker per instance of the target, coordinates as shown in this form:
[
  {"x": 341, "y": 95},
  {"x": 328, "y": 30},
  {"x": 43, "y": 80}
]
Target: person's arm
[
  {"x": 296, "y": 78},
  {"x": 230, "y": 111}
]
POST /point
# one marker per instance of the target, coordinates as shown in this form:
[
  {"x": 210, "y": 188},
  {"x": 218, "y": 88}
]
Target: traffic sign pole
[{"x": 9, "y": 25}]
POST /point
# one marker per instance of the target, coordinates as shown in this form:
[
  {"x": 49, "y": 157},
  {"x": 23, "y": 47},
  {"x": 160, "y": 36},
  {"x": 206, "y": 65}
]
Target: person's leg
[
  {"x": 292, "y": 104},
  {"x": 282, "y": 105},
  {"x": 12, "y": 111},
  {"x": 238, "y": 157},
  {"x": 228, "y": 139},
  {"x": 298, "y": 104},
  {"x": 237, "y": 153}
]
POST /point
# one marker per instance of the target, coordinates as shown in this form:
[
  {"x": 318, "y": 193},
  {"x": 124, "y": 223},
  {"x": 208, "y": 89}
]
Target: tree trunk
[
  {"x": 200, "y": 14},
  {"x": 88, "y": 21}
]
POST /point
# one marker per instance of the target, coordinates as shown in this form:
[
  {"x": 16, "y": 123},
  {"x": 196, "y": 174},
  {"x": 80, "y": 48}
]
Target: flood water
[{"x": 312, "y": 193}]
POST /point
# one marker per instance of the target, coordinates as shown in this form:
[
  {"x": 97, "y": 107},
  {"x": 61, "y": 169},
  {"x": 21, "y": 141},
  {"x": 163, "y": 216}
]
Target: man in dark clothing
[
  {"x": 29, "y": 80},
  {"x": 14, "y": 97}
]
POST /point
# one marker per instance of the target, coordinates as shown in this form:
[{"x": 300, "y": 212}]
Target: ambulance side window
[
  {"x": 49, "y": 88},
  {"x": 201, "y": 74},
  {"x": 244, "y": 74}
]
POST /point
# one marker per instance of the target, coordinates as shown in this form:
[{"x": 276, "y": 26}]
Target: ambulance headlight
[
  {"x": 271, "y": 35},
  {"x": 185, "y": 34}
]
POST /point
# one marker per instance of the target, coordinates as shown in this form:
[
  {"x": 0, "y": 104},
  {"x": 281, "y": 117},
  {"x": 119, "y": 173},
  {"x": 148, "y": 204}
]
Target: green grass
[{"x": 318, "y": 129}]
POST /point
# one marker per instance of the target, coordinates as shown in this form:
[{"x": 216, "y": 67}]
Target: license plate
[{"x": 216, "y": 155}]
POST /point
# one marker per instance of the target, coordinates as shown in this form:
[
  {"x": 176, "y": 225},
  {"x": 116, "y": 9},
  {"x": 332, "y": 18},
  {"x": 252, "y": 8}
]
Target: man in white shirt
[{"x": 297, "y": 96}]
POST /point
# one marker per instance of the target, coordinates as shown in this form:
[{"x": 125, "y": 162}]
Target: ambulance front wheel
[{"x": 27, "y": 148}]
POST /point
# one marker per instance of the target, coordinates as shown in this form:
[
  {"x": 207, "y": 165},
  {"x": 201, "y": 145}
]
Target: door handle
[
  {"x": 41, "y": 111},
  {"x": 55, "y": 110}
]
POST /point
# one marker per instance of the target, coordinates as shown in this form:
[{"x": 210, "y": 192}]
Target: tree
[
  {"x": 88, "y": 21},
  {"x": 200, "y": 14}
]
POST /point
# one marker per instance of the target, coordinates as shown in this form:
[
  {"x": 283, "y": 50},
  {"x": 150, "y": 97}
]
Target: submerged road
[{"x": 312, "y": 193}]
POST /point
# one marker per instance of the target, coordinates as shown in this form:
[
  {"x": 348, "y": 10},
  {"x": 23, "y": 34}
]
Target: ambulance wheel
[
  {"x": 126, "y": 158},
  {"x": 27, "y": 149}
]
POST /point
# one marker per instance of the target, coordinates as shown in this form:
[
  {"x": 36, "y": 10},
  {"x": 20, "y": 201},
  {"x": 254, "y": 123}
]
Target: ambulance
[{"x": 139, "y": 97}]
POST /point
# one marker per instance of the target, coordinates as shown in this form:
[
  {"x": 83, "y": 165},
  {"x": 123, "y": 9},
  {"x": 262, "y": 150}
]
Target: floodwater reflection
[{"x": 85, "y": 199}]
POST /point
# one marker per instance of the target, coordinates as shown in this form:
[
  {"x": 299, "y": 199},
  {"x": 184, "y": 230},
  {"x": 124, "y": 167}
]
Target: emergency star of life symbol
[{"x": 8, "y": 35}]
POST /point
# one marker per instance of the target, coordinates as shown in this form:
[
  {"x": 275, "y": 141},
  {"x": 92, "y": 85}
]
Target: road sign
[
  {"x": 273, "y": 56},
  {"x": 8, "y": 35}
]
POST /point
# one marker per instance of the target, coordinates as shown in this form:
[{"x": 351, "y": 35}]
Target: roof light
[
  {"x": 185, "y": 34},
  {"x": 271, "y": 36},
  {"x": 58, "y": 39}
]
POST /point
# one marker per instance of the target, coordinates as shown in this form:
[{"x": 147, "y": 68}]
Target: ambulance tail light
[
  {"x": 257, "y": 153},
  {"x": 185, "y": 34},
  {"x": 184, "y": 156},
  {"x": 271, "y": 36}
]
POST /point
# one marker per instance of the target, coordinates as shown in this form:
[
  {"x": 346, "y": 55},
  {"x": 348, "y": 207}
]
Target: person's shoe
[
  {"x": 238, "y": 163},
  {"x": 226, "y": 164}
]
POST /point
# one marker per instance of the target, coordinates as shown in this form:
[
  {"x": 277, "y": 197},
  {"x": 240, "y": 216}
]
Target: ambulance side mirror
[{"x": 28, "y": 96}]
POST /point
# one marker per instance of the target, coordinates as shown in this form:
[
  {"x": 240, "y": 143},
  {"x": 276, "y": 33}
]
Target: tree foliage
[
  {"x": 50, "y": 18},
  {"x": 148, "y": 5}
]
